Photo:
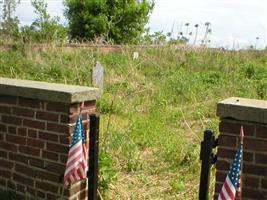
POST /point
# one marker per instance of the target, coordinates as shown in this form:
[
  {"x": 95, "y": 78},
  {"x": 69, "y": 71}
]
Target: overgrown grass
[{"x": 154, "y": 109}]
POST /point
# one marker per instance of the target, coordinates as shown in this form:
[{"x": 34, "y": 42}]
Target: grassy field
[{"x": 154, "y": 109}]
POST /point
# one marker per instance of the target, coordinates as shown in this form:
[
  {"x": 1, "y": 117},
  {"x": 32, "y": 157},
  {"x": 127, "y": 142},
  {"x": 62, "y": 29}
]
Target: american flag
[
  {"x": 232, "y": 184},
  {"x": 76, "y": 168}
]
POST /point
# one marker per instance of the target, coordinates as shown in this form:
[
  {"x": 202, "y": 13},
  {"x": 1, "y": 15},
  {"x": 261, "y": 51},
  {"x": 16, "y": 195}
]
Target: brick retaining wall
[
  {"x": 35, "y": 128},
  {"x": 252, "y": 115}
]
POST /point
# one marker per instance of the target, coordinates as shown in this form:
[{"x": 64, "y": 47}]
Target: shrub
[{"x": 117, "y": 20}]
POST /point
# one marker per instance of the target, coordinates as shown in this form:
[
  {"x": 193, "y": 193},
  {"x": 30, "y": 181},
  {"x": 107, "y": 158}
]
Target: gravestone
[{"x": 98, "y": 77}]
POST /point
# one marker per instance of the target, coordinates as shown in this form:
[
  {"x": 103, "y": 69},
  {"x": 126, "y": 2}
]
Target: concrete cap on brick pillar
[
  {"x": 47, "y": 91},
  {"x": 243, "y": 109}
]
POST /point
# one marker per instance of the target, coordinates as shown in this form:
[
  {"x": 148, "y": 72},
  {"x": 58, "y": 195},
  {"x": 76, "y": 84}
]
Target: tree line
[
  {"x": 104, "y": 21},
  {"x": 115, "y": 21}
]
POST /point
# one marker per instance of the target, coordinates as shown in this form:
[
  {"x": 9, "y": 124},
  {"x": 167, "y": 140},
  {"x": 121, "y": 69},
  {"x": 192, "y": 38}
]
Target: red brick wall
[
  {"x": 34, "y": 139},
  {"x": 255, "y": 157}
]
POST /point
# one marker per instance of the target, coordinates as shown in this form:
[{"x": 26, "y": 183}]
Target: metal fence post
[
  {"x": 207, "y": 157},
  {"x": 92, "y": 173}
]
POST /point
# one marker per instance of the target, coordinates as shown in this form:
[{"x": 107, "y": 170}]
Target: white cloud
[{"x": 244, "y": 19}]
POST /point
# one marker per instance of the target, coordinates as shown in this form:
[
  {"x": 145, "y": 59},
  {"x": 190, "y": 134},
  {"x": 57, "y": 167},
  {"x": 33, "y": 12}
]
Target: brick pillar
[
  {"x": 252, "y": 115},
  {"x": 36, "y": 123}
]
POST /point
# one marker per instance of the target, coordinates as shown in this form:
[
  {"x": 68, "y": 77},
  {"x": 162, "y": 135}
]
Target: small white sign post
[{"x": 135, "y": 55}]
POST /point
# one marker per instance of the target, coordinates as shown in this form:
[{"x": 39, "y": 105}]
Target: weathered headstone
[{"x": 98, "y": 76}]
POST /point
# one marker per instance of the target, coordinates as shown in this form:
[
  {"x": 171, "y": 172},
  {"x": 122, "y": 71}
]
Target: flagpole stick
[
  {"x": 241, "y": 177},
  {"x": 81, "y": 107}
]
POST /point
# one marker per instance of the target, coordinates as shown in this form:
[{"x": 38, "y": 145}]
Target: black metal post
[
  {"x": 92, "y": 173},
  {"x": 207, "y": 158}
]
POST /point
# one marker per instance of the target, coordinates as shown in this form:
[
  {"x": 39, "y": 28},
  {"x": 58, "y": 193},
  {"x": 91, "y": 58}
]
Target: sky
[{"x": 234, "y": 23}]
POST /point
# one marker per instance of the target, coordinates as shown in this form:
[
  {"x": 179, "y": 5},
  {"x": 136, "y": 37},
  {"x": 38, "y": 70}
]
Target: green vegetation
[
  {"x": 43, "y": 29},
  {"x": 153, "y": 110},
  {"x": 115, "y": 22},
  {"x": 118, "y": 21},
  {"x": 9, "y": 26}
]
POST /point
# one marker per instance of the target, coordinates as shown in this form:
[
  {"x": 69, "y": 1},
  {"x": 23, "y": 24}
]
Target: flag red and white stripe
[
  {"x": 228, "y": 190},
  {"x": 76, "y": 168},
  {"x": 232, "y": 184}
]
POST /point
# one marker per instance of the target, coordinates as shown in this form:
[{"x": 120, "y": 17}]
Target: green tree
[
  {"x": 9, "y": 23},
  {"x": 121, "y": 21},
  {"x": 45, "y": 28},
  {"x": 8, "y": 8}
]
